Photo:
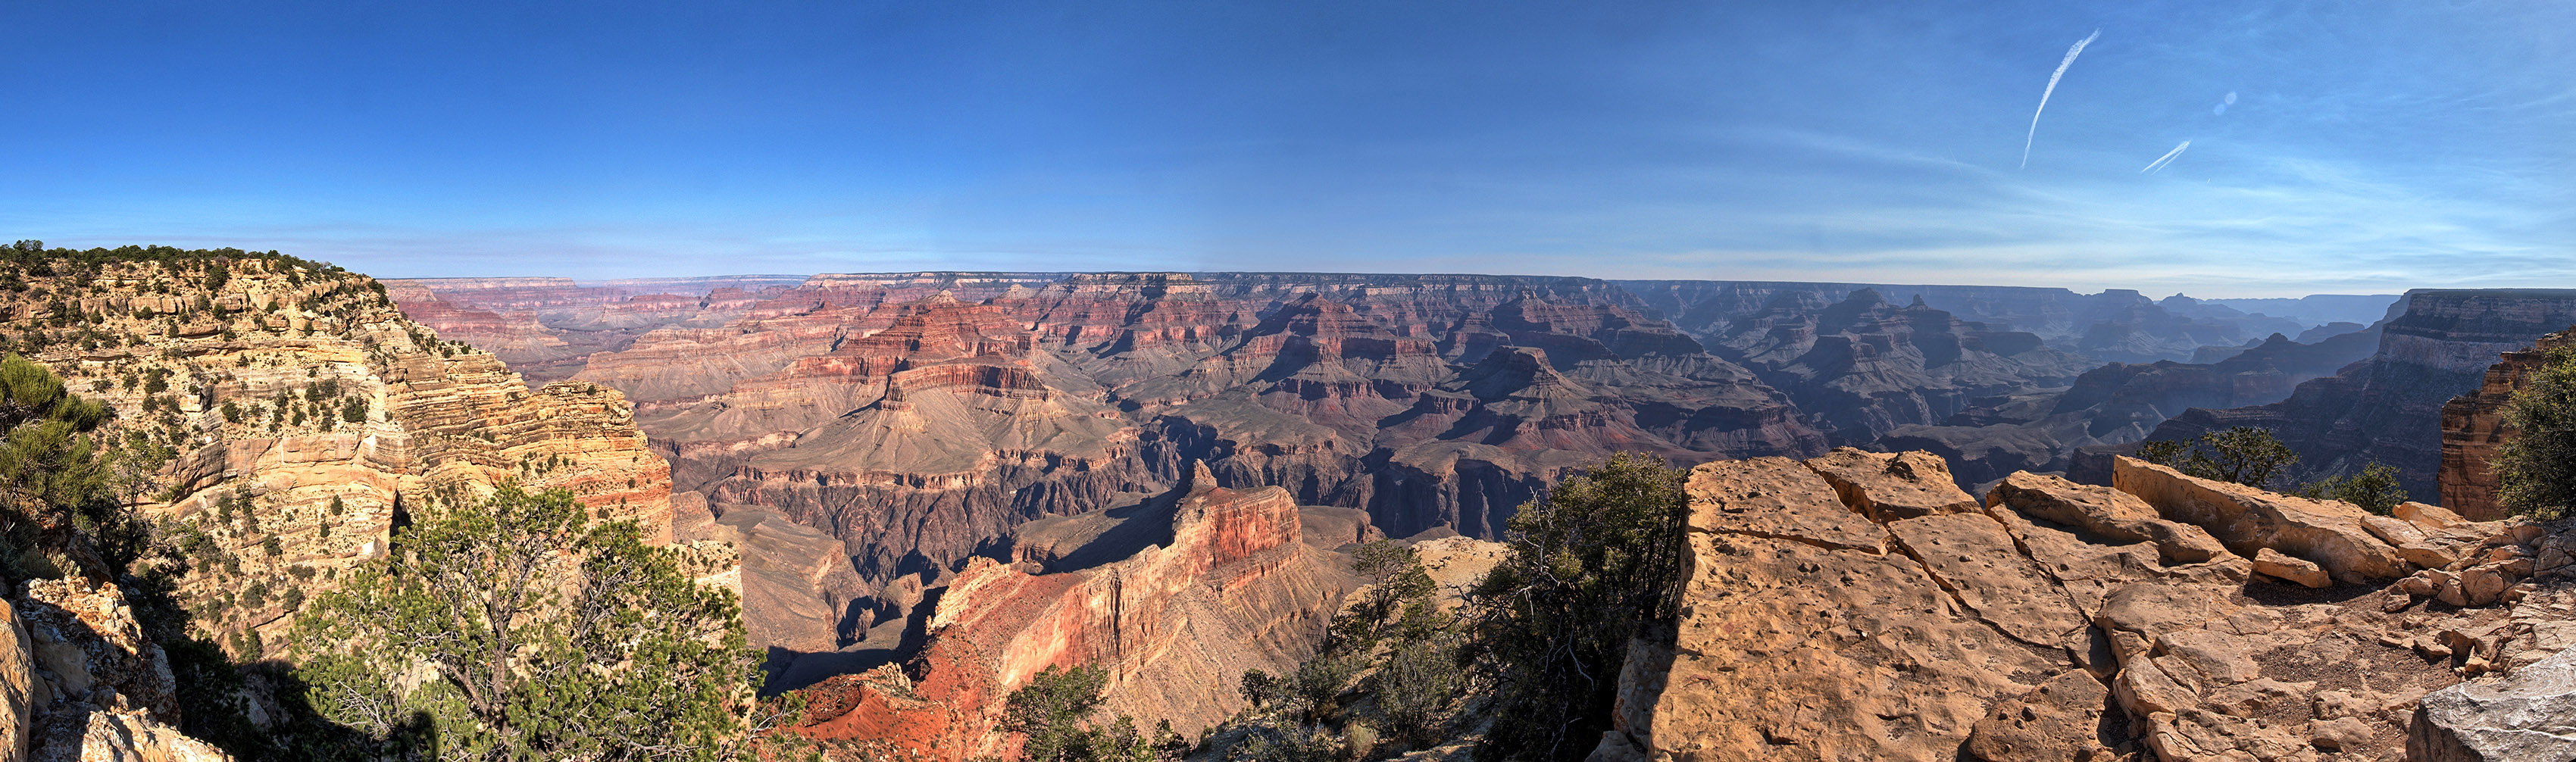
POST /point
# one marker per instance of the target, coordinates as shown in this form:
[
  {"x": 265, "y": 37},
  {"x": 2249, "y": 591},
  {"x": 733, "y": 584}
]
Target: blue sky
[{"x": 2369, "y": 146}]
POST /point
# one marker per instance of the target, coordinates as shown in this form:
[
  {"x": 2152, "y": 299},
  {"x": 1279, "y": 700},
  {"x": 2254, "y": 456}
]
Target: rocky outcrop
[
  {"x": 546, "y": 328},
  {"x": 2474, "y": 431},
  {"x": 273, "y": 415},
  {"x": 82, "y": 682},
  {"x": 2388, "y": 409},
  {"x": 2162, "y": 617},
  {"x": 1175, "y": 598},
  {"x": 2529, "y": 714}
]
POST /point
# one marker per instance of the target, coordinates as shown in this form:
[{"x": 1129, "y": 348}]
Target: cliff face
[
  {"x": 2473, "y": 429},
  {"x": 1176, "y": 599},
  {"x": 1837, "y": 611},
  {"x": 2120, "y": 403},
  {"x": 2116, "y": 325},
  {"x": 546, "y": 327},
  {"x": 276, "y": 418},
  {"x": 1862, "y": 366},
  {"x": 2388, "y": 409}
]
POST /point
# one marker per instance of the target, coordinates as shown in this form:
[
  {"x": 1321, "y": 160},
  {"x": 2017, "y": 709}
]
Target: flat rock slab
[
  {"x": 1891, "y": 486},
  {"x": 2527, "y": 715},
  {"x": 1777, "y": 497},
  {"x": 1973, "y": 557}
]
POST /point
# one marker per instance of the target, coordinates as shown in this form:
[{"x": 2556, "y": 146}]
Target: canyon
[
  {"x": 2389, "y": 407},
  {"x": 918, "y": 417}
]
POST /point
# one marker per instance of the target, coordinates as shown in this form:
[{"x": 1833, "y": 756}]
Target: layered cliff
[
  {"x": 545, "y": 328},
  {"x": 1834, "y": 610},
  {"x": 2474, "y": 431},
  {"x": 1862, "y": 366},
  {"x": 2116, "y": 325},
  {"x": 2388, "y": 409},
  {"x": 2120, "y": 403},
  {"x": 273, "y": 416},
  {"x": 1175, "y": 598}
]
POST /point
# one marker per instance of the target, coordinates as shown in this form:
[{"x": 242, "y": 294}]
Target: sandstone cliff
[
  {"x": 1835, "y": 610},
  {"x": 274, "y": 415},
  {"x": 1175, "y": 597},
  {"x": 2388, "y": 409},
  {"x": 2473, "y": 429}
]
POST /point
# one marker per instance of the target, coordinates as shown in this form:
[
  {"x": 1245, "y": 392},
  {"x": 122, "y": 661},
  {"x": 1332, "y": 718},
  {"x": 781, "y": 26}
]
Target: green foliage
[
  {"x": 547, "y": 637},
  {"x": 232, "y": 412},
  {"x": 1591, "y": 564},
  {"x": 355, "y": 411},
  {"x": 53, "y": 478},
  {"x": 1050, "y": 711},
  {"x": 2247, "y": 455},
  {"x": 2537, "y": 468},
  {"x": 2375, "y": 489}
]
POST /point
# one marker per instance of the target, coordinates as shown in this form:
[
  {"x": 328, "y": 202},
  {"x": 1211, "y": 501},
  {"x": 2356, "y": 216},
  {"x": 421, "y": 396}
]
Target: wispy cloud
[
  {"x": 2159, "y": 164},
  {"x": 2071, "y": 53}
]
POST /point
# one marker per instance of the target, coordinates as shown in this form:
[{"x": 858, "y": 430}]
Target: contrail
[
  {"x": 2159, "y": 164},
  {"x": 2071, "y": 53}
]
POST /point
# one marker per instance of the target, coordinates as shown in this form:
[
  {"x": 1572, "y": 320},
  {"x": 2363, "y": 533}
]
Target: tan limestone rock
[
  {"x": 2104, "y": 512},
  {"x": 2330, "y": 533},
  {"x": 2271, "y": 563},
  {"x": 1891, "y": 486},
  {"x": 2059, "y": 720},
  {"x": 1971, "y": 555},
  {"x": 1776, "y": 497}
]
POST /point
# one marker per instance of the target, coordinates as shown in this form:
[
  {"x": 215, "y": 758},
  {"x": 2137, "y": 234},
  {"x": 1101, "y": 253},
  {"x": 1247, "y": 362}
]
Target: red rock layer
[
  {"x": 1175, "y": 624},
  {"x": 2474, "y": 431}
]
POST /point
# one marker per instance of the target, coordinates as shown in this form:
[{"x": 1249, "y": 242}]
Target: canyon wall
[
  {"x": 2473, "y": 429},
  {"x": 1175, "y": 598},
  {"x": 275, "y": 418},
  {"x": 2116, "y": 325},
  {"x": 2388, "y": 409}
]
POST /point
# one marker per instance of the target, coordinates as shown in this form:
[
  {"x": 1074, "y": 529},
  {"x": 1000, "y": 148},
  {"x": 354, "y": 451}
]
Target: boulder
[
  {"x": 2527, "y": 715},
  {"x": 2330, "y": 533},
  {"x": 2271, "y": 563},
  {"x": 2105, "y": 513}
]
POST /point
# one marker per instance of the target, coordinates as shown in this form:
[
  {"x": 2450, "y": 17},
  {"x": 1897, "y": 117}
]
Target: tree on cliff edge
[
  {"x": 513, "y": 628},
  {"x": 2537, "y": 468},
  {"x": 1592, "y": 563}
]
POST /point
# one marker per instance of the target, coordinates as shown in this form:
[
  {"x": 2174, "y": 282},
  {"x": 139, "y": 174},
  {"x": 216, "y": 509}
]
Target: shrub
[
  {"x": 1591, "y": 564},
  {"x": 2537, "y": 468}
]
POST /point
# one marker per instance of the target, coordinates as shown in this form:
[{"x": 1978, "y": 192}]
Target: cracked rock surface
[{"x": 1845, "y": 608}]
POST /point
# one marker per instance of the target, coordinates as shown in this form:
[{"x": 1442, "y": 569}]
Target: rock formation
[
  {"x": 79, "y": 680},
  {"x": 1836, "y": 609},
  {"x": 275, "y": 419},
  {"x": 1862, "y": 366},
  {"x": 546, "y": 327},
  {"x": 2117, "y": 325},
  {"x": 2388, "y": 409},
  {"x": 2117, "y": 404},
  {"x": 919, "y": 417},
  {"x": 1175, "y": 597},
  {"x": 2474, "y": 432}
]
